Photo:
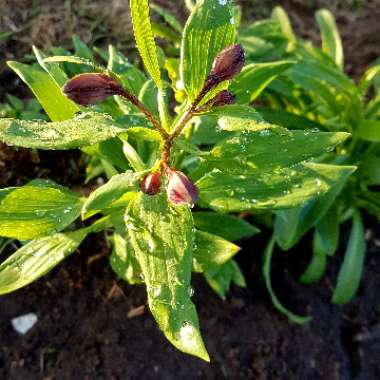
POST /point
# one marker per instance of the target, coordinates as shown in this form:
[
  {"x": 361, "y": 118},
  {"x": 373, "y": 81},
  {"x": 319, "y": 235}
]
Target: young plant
[
  {"x": 160, "y": 160},
  {"x": 307, "y": 90}
]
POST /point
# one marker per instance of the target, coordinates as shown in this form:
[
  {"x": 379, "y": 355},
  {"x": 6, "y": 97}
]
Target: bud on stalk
[
  {"x": 181, "y": 191},
  {"x": 227, "y": 64},
  {"x": 90, "y": 88},
  {"x": 151, "y": 183},
  {"x": 223, "y": 98}
]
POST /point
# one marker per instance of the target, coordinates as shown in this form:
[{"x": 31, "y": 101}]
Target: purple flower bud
[
  {"x": 224, "y": 98},
  {"x": 181, "y": 191},
  {"x": 90, "y": 88},
  {"x": 227, "y": 64},
  {"x": 151, "y": 183}
]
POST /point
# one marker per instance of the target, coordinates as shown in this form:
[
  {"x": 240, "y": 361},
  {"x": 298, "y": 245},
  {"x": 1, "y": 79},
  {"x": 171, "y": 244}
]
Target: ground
[{"x": 93, "y": 326}]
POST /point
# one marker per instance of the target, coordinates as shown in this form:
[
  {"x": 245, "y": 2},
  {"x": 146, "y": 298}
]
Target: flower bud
[
  {"x": 181, "y": 191},
  {"x": 90, "y": 88},
  {"x": 224, "y": 98},
  {"x": 228, "y": 63},
  {"x": 151, "y": 183}
]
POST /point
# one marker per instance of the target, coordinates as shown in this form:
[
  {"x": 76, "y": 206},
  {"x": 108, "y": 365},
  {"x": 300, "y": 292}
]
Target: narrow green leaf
[
  {"x": 76, "y": 60},
  {"x": 162, "y": 237},
  {"x": 123, "y": 259},
  {"x": 331, "y": 41},
  {"x": 81, "y": 49},
  {"x": 104, "y": 195},
  {"x": 83, "y": 130},
  {"x": 36, "y": 259},
  {"x": 145, "y": 39},
  {"x": 37, "y": 209},
  {"x": 318, "y": 263},
  {"x": 242, "y": 118},
  {"x": 55, "y": 72},
  {"x": 351, "y": 270},
  {"x": 221, "y": 277},
  {"x": 267, "y": 259},
  {"x": 229, "y": 227},
  {"x": 254, "y": 78},
  {"x": 369, "y": 130},
  {"x": 280, "y": 15},
  {"x": 291, "y": 225},
  {"x": 57, "y": 106},
  {"x": 169, "y": 18},
  {"x": 285, "y": 188},
  {"x": 211, "y": 250},
  {"x": 209, "y": 29},
  {"x": 252, "y": 152}
]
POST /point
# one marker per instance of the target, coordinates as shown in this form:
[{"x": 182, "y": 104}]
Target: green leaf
[
  {"x": 280, "y": 15},
  {"x": 288, "y": 119},
  {"x": 327, "y": 231},
  {"x": 81, "y": 49},
  {"x": 351, "y": 270},
  {"x": 162, "y": 236},
  {"x": 145, "y": 39},
  {"x": 242, "y": 118},
  {"x": 229, "y": 227},
  {"x": 254, "y": 78},
  {"x": 169, "y": 18},
  {"x": 76, "y": 60},
  {"x": 291, "y": 225},
  {"x": 285, "y": 188},
  {"x": 57, "y": 106},
  {"x": 123, "y": 259},
  {"x": 37, "y": 209},
  {"x": 36, "y": 259},
  {"x": 211, "y": 250},
  {"x": 208, "y": 31},
  {"x": 85, "y": 129},
  {"x": 251, "y": 152},
  {"x": 267, "y": 259},
  {"x": 369, "y": 130},
  {"x": 104, "y": 195},
  {"x": 318, "y": 263},
  {"x": 331, "y": 42},
  {"x": 221, "y": 277},
  {"x": 55, "y": 72}
]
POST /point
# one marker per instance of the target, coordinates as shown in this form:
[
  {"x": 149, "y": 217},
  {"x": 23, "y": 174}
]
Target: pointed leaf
[
  {"x": 285, "y": 188},
  {"x": 37, "y": 209},
  {"x": 331, "y": 41},
  {"x": 229, "y": 227},
  {"x": 162, "y": 237},
  {"x": 85, "y": 129},
  {"x": 254, "y": 78},
  {"x": 267, "y": 260},
  {"x": 145, "y": 39},
  {"x": 351, "y": 270},
  {"x": 104, "y": 195},
  {"x": 209, "y": 29},
  {"x": 37, "y": 258},
  {"x": 57, "y": 106},
  {"x": 211, "y": 250}
]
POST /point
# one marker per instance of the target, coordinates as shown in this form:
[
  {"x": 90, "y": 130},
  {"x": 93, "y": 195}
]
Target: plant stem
[{"x": 136, "y": 102}]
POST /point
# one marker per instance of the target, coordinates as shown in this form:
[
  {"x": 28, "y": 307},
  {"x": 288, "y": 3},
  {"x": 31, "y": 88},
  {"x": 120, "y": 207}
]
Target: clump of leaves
[
  {"x": 160, "y": 158},
  {"x": 308, "y": 88}
]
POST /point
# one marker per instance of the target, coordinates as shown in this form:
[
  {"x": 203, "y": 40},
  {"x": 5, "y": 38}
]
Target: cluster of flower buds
[
  {"x": 91, "y": 88},
  {"x": 227, "y": 64},
  {"x": 181, "y": 191}
]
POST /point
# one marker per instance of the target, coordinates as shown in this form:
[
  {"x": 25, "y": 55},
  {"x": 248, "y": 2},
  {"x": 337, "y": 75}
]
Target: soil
[{"x": 93, "y": 326}]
